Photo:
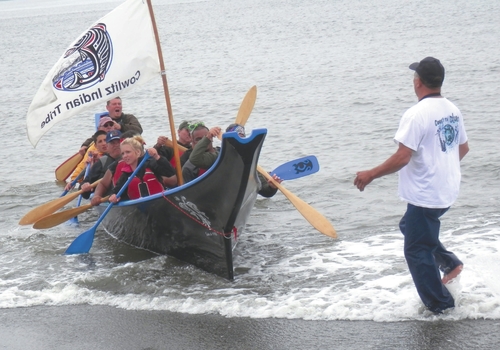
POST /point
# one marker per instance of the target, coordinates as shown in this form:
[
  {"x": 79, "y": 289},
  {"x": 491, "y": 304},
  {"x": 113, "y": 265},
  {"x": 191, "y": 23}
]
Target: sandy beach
[{"x": 98, "y": 327}]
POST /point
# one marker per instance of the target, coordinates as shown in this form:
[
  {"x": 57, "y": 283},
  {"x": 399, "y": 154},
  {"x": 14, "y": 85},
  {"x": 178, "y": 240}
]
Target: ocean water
[{"x": 333, "y": 81}]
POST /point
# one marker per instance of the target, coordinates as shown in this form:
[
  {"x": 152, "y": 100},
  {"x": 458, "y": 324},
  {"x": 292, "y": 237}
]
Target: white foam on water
[{"x": 357, "y": 280}]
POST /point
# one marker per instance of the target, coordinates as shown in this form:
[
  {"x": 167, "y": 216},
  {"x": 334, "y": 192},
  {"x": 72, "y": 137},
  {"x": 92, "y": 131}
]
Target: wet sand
[{"x": 100, "y": 327}]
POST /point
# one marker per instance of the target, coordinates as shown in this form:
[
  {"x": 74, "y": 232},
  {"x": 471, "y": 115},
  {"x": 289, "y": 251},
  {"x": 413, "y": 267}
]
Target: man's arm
[
  {"x": 200, "y": 157},
  {"x": 266, "y": 190},
  {"x": 102, "y": 188},
  {"x": 463, "y": 149},
  {"x": 394, "y": 163}
]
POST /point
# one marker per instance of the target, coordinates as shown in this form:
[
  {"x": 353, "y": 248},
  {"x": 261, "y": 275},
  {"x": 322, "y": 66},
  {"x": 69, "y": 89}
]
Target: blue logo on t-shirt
[{"x": 447, "y": 132}]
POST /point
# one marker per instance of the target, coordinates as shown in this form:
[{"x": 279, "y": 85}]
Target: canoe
[{"x": 199, "y": 222}]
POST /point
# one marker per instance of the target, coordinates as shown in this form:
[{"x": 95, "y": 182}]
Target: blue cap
[{"x": 113, "y": 135}]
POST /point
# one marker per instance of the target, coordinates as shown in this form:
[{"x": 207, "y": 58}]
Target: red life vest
[
  {"x": 138, "y": 188},
  {"x": 118, "y": 172},
  {"x": 172, "y": 161}
]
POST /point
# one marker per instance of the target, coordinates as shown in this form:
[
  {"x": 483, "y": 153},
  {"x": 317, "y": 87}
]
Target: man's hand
[
  {"x": 83, "y": 150},
  {"x": 161, "y": 141},
  {"x": 275, "y": 178},
  {"x": 362, "y": 179},
  {"x": 213, "y": 132}
]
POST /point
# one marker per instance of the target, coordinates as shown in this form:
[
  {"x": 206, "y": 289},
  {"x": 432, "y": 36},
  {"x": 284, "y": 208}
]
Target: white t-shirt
[{"x": 433, "y": 129}]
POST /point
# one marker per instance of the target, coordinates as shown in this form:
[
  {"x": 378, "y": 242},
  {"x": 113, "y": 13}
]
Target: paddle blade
[
  {"x": 60, "y": 217},
  {"x": 297, "y": 168},
  {"x": 50, "y": 207},
  {"x": 46, "y": 209},
  {"x": 82, "y": 243},
  {"x": 64, "y": 170},
  {"x": 246, "y": 106}
]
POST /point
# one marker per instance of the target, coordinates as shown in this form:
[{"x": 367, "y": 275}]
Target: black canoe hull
[{"x": 198, "y": 222}]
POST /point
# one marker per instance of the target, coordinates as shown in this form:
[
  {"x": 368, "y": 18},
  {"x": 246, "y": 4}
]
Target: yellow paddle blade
[
  {"x": 246, "y": 106},
  {"x": 50, "y": 207},
  {"x": 318, "y": 221},
  {"x": 64, "y": 170},
  {"x": 60, "y": 217}
]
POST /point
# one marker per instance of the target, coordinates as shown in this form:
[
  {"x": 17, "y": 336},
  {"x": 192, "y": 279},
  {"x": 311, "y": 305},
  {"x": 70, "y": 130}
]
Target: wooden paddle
[
  {"x": 64, "y": 170},
  {"x": 67, "y": 167},
  {"x": 50, "y": 207},
  {"x": 318, "y": 221},
  {"x": 83, "y": 243},
  {"x": 246, "y": 106},
  {"x": 62, "y": 216}
]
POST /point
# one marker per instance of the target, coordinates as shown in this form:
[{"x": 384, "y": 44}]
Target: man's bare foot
[{"x": 453, "y": 273}]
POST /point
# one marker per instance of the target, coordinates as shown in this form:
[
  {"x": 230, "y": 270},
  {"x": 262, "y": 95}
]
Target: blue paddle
[
  {"x": 73, "y": 183},
  {"x": 83, "y": 243},
  {"x": 297, "y": 168}
]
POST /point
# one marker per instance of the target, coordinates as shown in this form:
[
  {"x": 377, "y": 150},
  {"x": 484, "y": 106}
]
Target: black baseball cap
[
  {"x": 430, "y": 70},
  {"x": 184, "y": 125}
]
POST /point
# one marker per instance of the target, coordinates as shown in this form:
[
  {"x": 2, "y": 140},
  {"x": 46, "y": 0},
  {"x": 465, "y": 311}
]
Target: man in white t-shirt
[{"x": 431, "y": 142}]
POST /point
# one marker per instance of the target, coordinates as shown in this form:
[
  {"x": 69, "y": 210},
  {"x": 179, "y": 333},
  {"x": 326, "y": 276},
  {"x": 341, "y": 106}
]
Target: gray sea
[{"x": 333, "y": 81}]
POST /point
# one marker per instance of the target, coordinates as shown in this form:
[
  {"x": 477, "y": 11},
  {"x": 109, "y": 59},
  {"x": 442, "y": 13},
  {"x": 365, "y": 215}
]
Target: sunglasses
[
  {"x": 108, "y": 124},
  {"x": 194, "y": 125},
  {"x": 104, "y": 115}
]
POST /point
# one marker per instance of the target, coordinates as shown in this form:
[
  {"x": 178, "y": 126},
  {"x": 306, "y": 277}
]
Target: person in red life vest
[
  {"x": 113, "y": 139},
  {"x": 151, "y": 178}
]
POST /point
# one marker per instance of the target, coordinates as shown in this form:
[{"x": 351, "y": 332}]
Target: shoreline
[{"x": 103, "y": 327}]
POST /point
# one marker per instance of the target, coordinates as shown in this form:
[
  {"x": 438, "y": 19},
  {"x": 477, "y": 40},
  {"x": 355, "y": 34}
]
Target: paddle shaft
[
  {"x": 73, "y": 183},
  {"x": 317, "y": 220}
]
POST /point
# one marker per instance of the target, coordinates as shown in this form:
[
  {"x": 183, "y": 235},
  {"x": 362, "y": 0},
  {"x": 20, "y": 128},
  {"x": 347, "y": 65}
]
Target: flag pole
[{"x": 178, "y": 169}]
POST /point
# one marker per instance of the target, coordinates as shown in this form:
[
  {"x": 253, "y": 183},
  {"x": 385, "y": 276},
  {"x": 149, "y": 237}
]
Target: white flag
[{"x": 113, "y": 56}]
